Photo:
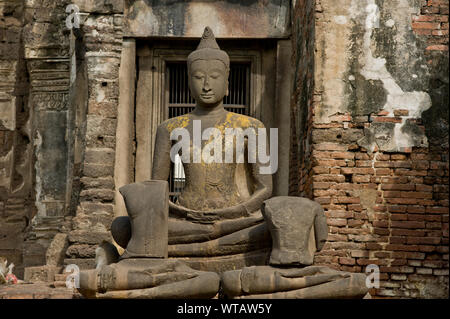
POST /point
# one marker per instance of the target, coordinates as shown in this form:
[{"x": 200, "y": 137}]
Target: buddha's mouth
[{"x": 207, "y": 96}]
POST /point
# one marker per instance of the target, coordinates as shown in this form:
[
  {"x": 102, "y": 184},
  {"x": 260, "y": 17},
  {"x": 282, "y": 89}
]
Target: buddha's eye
[
  {"x": 198, "y": 76},
  {"x": 215, "y": 75}
]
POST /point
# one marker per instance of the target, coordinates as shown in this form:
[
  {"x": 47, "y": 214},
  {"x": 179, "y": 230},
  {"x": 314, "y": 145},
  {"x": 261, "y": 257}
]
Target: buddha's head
[{"x": 208, "y": 69}]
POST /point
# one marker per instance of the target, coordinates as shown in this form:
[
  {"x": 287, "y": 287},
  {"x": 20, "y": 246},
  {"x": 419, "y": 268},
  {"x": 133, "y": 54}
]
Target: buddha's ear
[{"x": 226, "y": 94}]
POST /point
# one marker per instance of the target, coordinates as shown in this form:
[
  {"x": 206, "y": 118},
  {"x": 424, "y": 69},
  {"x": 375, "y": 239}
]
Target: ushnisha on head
[
  {"x": 208, "y": 49},
  {"x": 208, "y": 70}
]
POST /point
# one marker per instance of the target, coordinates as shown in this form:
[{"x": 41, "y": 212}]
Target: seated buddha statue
[{"x": 224, "y": 221}]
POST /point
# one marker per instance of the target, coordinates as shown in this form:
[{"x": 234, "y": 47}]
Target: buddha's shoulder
[
  {"x": 175, "y": 122},
  {"x": 243, "y": 121}
]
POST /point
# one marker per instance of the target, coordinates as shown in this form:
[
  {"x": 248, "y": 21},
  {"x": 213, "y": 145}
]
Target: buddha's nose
[{"x": 206, "y": 86}]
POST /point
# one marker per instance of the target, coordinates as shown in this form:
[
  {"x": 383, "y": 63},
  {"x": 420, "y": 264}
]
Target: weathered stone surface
[
  {"x": 85, "y": 237},
  {"x": 41, "y": 273},
  {"x": 97, "y": 194},
  {"x": 81, "y": 251},
  {"x": 37, "y": 291},
  {"x": 245, "y": 19},
  {"x": 312, "y": 282},
  {"x": 148, "y": 278},
  {"x": 56, "y": 251},
  {"x": 147, "y": 205},
  {"x": 98, "y": 182},
  {"x": 297, "y": 226}
]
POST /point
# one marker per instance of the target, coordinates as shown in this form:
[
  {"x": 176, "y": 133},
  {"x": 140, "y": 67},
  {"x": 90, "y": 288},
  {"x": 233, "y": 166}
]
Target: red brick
[
  {"x": 403, "y": 187},
  {"x": 360, "y": 163},
  {"x": 394, "y": 164},
  {"x": 423, "y": 18},
  {"x": 329, "y": 178},
  {"x": 427, "y": 248},
  {"x": 379, "y": 208},
  {"x": 355, "y": 207},
  {"x": 360, "y": 178},
  {"x": 362, "y": 156},
  {"x": 347, "y": 200},
  {"x": 330, "y": 147},
  {"x": 422, "y": 195},
  {"x": 342, "y": 155},
  {"x": 382, "y": 171},
  {"x": 383, "y": 113},
  {"x": 347, "y": 261},
  {"x": 339, "y": 214},
  {"x": 408, "y": 232},
  {"x": 321, "y": 170},
  {"x": 407, "y": 224},
  {"x": 426, "y": 25},
  {"x": 387, "y": 119},
  {"x": 420, "y": 165},
  {"x": 398, "y": 262},
  {"x": 407, "y": 172},
  {"x": 359, "y": 253},
  {"x": 397, "y": 240},
  {"x": 396, "y": 208},
  {"x": 437, "y": 210},
  {"x": 395, "y": 180},
  {"x": 380, "y": 223},
  {"x": 365, "y": 262},
  {"x": 435, "y": 264},
  {"x": 382, "y": 254},
  {"x": 439, "y": 32},
  {"x": 336, "y": 237},
  {"x": 357, "y": 170},
  {"x": 396, "y": 247},
  {"x": 415, "y": 209},
  {"x": 424, "y": 240},
  {"x": 321, "y": 185},
  {"x": 424, "y": 188},
  {"x": 336, "y": 221},
  {"x": 381, "y": 231},
  {"x": 406, "y": 201},
  {"x": 399, "y": 217},
  {"x": 434, "y": 225},
  {"x": 354, "y": 222},
  {"x": 398, "y": 269},
  {"x": 353, "y": 231},
  {"x": 374, "y": 246},
  {"x": 415, "y": 255},
  {"x": 438, "y": 47}
]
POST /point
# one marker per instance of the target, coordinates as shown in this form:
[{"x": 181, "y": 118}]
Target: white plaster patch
[
  {"x": 390, "y": 23},
  {"x": 351, "y": 78},
  {"x": 100, "y": 96},
  {"x": 375, "y": 69},
  {"x": 414, "y": 76},
  {"x": 205, "y": 14},
  {"x": 340, "y": 19}
]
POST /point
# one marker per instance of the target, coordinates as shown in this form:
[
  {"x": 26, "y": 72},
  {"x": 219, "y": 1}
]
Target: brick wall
[{"x": 384, "y": 207}]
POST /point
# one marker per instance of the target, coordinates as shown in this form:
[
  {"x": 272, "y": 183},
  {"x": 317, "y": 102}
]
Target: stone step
[
  {"x": 61, "y": 277},
  {"x": 37, "y": 291},
  {"x": 59, "y": 284},
  {"x": 41, "y": 273}
]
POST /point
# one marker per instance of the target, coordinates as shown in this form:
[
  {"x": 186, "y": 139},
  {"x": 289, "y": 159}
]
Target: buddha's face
[{"x": 208, "y": 81}]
